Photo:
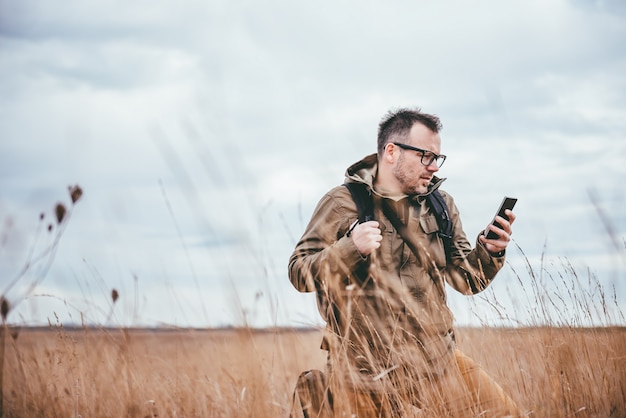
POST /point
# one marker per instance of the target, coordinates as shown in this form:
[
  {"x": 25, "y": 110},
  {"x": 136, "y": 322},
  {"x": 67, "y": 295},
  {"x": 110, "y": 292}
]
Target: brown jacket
[{"x": 388, "y": 310}]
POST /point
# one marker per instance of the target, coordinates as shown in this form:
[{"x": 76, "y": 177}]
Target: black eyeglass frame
[{"x": 434, "y": 158}]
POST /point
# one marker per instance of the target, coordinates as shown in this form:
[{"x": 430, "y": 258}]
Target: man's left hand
[{"x": 497, "y": 245}]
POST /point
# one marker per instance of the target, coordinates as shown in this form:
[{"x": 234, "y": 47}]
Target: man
[{"x": 380, "y": 284}]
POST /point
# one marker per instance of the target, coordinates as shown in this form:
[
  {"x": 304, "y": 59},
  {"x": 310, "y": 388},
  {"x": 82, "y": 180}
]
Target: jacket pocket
[{"x": 428, "y": 224}]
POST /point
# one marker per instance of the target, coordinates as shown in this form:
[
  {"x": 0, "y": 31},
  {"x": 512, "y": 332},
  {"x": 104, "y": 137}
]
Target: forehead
[{"x": 422, "y": 137}]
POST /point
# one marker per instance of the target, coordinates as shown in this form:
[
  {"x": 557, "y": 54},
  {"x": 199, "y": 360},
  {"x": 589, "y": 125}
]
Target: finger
[
  {"x": 502, "y": 234},
  {"x": 511, "y": 215},
  {"x": 367, "y": 226},
  {"x": 371, "y": 224},
  {"x": 493, "y": 246},
  {"x": 505, "y": 225}
]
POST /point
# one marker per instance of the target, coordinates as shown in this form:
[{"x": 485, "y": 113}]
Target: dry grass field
[
  {"x": 57, "y": 372},
  {"x": 552, "y": 371}
]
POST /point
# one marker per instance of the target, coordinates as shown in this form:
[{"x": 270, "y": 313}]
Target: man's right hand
[{"x": 366, "y": 237}]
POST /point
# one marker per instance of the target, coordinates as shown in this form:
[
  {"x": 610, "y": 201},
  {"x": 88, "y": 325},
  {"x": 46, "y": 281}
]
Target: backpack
[{"x": 362, "y": 196}]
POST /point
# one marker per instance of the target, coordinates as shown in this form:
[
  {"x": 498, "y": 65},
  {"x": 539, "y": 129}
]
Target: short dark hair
[{"x": 398, "y": 123}]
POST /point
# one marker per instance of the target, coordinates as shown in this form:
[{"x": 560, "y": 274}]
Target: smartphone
[{"x": 507, "y": 203}]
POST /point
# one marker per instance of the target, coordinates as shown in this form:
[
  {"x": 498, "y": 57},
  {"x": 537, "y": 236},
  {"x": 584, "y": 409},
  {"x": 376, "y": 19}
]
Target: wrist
[{"x": 498, "y": 254}]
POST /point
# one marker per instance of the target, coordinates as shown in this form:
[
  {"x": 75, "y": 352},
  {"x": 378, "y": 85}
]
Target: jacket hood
[{"x": 364, "y": 171}]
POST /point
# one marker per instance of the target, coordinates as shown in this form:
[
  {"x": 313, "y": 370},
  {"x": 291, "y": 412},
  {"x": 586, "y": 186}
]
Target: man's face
[{"x": 413, "y": 176}]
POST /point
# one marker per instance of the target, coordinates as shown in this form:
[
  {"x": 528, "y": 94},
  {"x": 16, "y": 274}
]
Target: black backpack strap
[
  {"x": 362, "y": 196},
  {"x": 440, "y": 209}
]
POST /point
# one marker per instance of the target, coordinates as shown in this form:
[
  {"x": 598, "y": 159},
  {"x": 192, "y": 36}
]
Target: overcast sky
[{"x": 203, "y": 133}]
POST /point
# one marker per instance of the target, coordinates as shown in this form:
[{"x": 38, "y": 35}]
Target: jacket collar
[{"x": 364, "y": 171}]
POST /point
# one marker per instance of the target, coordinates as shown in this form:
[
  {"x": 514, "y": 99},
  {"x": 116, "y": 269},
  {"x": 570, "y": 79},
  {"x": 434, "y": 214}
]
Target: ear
[{"x": 390, "y": 154}]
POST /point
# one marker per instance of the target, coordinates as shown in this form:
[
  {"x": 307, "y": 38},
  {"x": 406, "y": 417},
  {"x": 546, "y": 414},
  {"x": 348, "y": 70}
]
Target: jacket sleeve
[
  {"x": 324, "y": 251},
  {"x": 469, "y": 271}
]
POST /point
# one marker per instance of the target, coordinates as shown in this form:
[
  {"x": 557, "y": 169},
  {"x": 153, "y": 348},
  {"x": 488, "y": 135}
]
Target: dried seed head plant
[{"x": 42, "y": 261}]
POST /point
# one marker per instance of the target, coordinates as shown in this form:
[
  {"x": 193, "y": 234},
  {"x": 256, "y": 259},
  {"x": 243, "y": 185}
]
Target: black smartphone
[{"x": 507, "y": 203}]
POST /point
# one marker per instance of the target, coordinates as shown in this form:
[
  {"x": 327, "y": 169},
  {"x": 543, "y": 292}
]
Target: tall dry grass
[
  {"x": 550, "y": 364},
  {"x": 56, "y": 372},
  {"x": 154, "y": 373},
  {"x": 554, "y": 370}
]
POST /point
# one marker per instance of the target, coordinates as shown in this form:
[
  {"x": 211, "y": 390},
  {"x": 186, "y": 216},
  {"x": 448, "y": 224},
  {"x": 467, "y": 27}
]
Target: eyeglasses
[{"x": 428, "y": 157}]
